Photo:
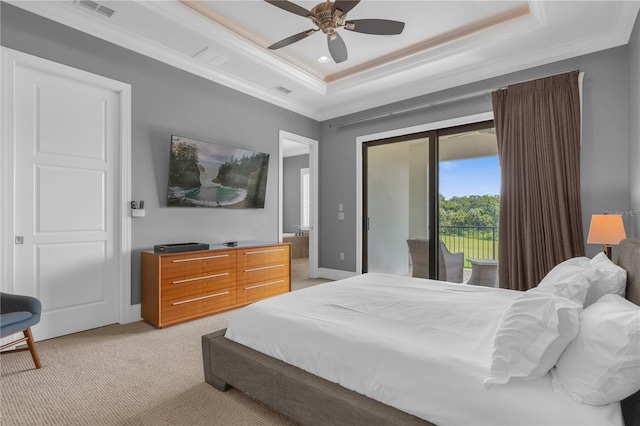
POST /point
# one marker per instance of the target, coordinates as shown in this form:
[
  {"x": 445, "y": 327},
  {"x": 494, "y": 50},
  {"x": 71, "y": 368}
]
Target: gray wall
[
  {"x": 604, "y": 169},
  {"x": 291, "y": 190},
  {"x": 633, "y": 228},
  {"x": 168, "y": 101}
]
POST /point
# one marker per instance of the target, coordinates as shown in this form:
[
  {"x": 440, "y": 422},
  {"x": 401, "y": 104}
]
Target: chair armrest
[{"x": 15, "y": 303}]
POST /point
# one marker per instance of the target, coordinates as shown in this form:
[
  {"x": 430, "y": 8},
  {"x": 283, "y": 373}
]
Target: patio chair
[{"x": 449, "y": 264}]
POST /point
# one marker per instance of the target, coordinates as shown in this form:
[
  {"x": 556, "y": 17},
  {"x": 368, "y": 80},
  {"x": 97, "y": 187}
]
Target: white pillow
[
  {"x": 532, "y": 333},
  {"x": 566, "y": 269},
  {"x": 613, "y": 280},
  {"x": 602, "y": 364},
  {"x": 574, "y": 287}
]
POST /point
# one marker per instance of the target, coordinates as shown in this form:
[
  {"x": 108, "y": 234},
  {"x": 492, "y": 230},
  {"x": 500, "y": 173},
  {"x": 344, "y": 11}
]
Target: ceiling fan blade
[
  {"x": 292, "y": 39},
  {"x": 290, "y": 7},
  {"x": 337, "y": 48},
  {"x": 375, "y": 26},
  {"x": 345, "y": 5}
]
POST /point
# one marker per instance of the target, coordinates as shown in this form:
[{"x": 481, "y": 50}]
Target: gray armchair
[
  {"x": 19, "y": 314},
  {"x": 449, "y": 264}
]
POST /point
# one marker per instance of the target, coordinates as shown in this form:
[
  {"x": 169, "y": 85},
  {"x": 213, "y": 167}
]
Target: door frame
[
  {"x": 360, "y": 140},
  {"x": 9, "y": 60},
  {"x": 313, "y": 174}
]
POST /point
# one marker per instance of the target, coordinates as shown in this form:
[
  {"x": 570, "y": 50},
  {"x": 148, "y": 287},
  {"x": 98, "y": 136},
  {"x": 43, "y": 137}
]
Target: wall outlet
[
  {"x": 340, "y": 215},
  {"x": 341, "y": 256}
]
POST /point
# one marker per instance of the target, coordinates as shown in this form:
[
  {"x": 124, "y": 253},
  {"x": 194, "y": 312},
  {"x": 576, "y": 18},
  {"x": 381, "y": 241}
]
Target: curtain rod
[
  {"x": 413, "y": 109},
  {"x": 437, "y": 103}
]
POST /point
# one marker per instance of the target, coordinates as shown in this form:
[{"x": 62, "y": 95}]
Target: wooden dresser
[{"x": 178, "y": 287}]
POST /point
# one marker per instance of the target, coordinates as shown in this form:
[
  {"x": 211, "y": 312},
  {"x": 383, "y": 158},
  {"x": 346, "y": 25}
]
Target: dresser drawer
[
  {"x": 181, "y": 308},
  {"x": 178, "y": 287},
  {"x": 197, "y": 283},
  {"x": 252, "y": 292},
  {"x": 263, "y": 264},
  {"x": 262, "y": 273},
  {"x": 197, "y": 263},
  {"x": 262, "y": 256}
]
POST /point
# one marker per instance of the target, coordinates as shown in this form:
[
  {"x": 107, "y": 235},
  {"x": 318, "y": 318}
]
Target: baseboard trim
[
  {"x": 134, "y": 314},
  {"x": 335, "y": 274}
]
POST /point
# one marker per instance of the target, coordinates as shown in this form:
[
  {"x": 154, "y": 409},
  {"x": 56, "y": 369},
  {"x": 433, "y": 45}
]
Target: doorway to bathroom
[{"x": 298, "y": 203}]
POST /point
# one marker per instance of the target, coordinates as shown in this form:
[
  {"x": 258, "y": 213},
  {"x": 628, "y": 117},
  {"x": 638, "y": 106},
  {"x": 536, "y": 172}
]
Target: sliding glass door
[
  {"x": 395, "y": 202},
  {"x": 469, "y": 202},
  {"x": 442, "y": 183}
]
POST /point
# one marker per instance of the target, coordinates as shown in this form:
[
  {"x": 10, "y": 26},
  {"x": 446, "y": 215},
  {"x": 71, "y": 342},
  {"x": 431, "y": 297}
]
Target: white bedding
[{"x": 421, "y": 346}]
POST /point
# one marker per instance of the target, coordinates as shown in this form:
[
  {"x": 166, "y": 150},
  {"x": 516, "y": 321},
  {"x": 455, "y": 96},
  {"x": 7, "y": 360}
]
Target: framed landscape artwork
[{"x": 205, "y": 174}]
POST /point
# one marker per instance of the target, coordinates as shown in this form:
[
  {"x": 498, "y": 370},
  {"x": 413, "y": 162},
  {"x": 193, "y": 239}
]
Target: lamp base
[{"x": 607, "y": 250}]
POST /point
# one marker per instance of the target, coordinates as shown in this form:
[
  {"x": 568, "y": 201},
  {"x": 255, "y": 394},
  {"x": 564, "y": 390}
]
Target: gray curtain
[{"x": 538, "y": 131}]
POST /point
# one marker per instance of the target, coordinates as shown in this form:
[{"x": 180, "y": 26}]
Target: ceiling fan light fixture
[{"x": 329, "y": 16}]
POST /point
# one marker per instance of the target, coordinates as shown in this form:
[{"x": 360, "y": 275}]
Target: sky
[
  {"x": 212, "y": 155},
  {"x": 475, "y": 176}
]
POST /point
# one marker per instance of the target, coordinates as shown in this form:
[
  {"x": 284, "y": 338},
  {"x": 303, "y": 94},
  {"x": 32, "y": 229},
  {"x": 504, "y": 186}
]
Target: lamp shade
[{"x": 606, "y": 229}]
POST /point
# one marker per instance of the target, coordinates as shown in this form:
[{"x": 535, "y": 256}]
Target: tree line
[{"x": 470, "y": 211}]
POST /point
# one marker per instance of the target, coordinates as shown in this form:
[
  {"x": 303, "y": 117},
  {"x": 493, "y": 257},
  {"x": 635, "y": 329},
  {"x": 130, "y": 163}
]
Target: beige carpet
[{"x": 131, "y": 374}]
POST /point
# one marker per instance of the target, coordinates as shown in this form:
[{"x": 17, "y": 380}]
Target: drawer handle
[
  {"x": 264, "y": 285},
  {"x": 264, "y": 251},
  {"x": 200, "y": 258},
  {"x": 200, "y": 278},
  {"x": 264, "y": 267},
  {"x": 200, "y": 298}
]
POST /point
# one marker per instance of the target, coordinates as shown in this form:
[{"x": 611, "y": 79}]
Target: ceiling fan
[{"x": 328, "y": 17}]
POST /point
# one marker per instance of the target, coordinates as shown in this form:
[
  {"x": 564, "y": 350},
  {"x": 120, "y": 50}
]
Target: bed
[{"x": 284, "y": 357}]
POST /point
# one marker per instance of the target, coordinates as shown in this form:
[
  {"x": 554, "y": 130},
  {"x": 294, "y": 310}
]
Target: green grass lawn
[{"x": 473, "y": 248}]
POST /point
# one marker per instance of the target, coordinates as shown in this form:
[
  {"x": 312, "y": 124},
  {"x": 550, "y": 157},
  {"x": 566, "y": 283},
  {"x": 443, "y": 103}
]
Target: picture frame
[{"x": 207, "y": 174}]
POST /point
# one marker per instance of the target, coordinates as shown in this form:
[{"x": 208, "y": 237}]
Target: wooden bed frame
[{"x": 311, "y": 400}]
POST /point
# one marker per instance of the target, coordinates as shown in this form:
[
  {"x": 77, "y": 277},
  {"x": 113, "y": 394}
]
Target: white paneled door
[{"x": 66, "y": 197}]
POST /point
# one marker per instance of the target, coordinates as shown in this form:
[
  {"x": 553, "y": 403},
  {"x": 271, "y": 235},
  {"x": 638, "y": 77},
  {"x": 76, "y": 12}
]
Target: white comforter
[{"x": 421, "y": 346}]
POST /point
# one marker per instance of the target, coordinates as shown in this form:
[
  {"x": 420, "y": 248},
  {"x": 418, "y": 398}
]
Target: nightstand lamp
[{"x": 606, "y": 229}]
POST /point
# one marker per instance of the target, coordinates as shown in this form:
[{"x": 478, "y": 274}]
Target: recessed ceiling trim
[
  {"x": 471, "y": 74},
  {"x": 69, "y": 16},
  {"x": 425, "y": 46},
  {"x": 198, "y": 18},
  {"x": 248, "y": 40},
  {"x": 379, "y": 89},
  {"x": 622, "y": 21},
  {"x": 424, "y": 64}
]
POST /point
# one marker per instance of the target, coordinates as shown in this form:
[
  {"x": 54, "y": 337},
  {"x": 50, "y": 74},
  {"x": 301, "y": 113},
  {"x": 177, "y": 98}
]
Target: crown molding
[
  {"x": 363, "y": 91},
  {"x": 618, "y": 35},
  {"x": 623, "y": 24},
  {"x": 103, "y": 30},
  {"x": 187, "y": 16}
]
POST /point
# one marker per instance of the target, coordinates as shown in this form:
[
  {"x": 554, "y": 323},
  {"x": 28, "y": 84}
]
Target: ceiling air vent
[
  {"x": 282, "y": 89},
  {"x": 211, "y": 57},
  {"x": 96, "y": 7}
]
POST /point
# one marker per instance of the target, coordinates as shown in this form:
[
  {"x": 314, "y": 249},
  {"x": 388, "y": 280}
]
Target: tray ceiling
[{"x": 444, "y": 44}]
